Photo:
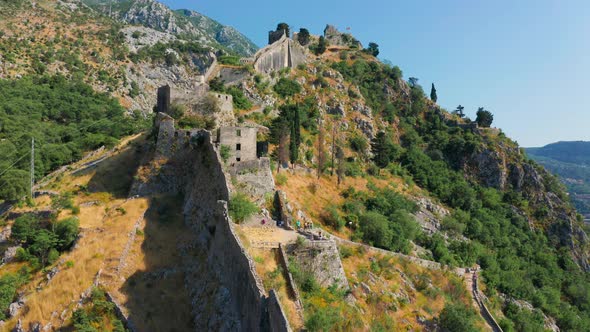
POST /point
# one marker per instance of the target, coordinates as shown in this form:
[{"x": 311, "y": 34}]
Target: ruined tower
[{"x": 163, "y": 104}]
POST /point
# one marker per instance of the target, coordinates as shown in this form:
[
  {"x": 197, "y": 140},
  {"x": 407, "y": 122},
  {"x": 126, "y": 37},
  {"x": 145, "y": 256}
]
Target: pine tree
[
  {"x": 381, "y": 148},
  {"x": 303, "y": 36},
  {"x": 433, "y": 95}
]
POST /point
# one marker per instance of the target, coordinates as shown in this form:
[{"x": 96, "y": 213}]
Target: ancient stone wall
[
  {"x": 322, "y": 259},
  {"x": 225, "y": 102},
  {"x": 234, "y": 76},
  {"x": 195, "y": 170},
  {"x": 284, "y": 53},
  {"x": 256, "y": 175},
  {"x": 277, "y": 320},
  {"x": 164, "y": 99}
]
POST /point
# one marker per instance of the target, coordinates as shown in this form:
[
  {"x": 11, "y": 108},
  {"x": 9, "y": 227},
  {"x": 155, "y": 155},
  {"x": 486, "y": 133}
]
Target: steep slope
[
  {"x": 343, "y": 115},
  {"x": 571, "y": 162},
  {"x": 190, "y": 24}
]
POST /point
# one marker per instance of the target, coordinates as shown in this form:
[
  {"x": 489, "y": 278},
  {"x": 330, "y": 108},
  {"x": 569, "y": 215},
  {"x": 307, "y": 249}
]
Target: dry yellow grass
[
  {"x": 104, "y": 234},
  {"x": 313, "y": 195},
  {"x": 153, "y": 302},
  {"x": 266, "y": 261},
  {"x": 422, "y": 303}
]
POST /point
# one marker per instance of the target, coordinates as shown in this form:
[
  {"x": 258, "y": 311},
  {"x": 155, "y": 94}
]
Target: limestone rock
[
  {"x": 365, "y": 126},
  {"x": 337, "y": 109},
  {"x": 9, "y": 254},
  {"x": 489, "y": 166}
]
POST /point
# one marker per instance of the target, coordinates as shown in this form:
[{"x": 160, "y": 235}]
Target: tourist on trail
[
  {"x": 298, "y": 223},
  {"x": 263, "y": 221}
]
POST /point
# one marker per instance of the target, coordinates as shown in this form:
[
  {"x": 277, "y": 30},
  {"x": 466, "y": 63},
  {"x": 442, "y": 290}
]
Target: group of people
[{"x": 307, "y": 225}]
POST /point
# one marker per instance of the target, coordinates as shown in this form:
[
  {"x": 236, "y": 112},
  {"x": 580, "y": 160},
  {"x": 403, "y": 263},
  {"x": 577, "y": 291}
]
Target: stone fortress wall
[
  {"x": 281, "y": 53},
  {"x": 195, "y": 169}
]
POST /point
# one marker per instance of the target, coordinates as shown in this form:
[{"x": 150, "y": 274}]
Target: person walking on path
[{"x": 298, "y": 223}]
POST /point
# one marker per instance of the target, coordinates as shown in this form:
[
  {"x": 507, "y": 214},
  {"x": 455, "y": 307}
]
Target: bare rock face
[
  {"x": 365, "y": 126},
  {"x": 363, "y": 109},
  {"x": 9, "y": 254},
  {"x": 138, "y": 37},
  {"x": 489, "y": 168},
  {"x": 336, "y": 109},
  {"x": 335, "y": 37}
]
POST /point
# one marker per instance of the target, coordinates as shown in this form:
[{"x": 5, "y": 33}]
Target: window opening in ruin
[
  {"x": 238, "y": 147},
  {"x": 239, "y": 132},
  {"x": 238, "y": 159}
]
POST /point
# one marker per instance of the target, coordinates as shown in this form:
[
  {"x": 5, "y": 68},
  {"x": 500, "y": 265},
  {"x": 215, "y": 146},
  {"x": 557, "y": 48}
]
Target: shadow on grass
[
  {"x": 157, "y": 299},
  {"x": 115, "y": 175}
]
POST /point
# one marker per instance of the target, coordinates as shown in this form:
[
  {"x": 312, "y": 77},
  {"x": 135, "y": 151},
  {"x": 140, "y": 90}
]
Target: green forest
[{"x": 66, "y": 118}]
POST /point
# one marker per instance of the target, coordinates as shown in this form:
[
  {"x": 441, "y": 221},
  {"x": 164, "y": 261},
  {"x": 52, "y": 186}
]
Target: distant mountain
[
  {"x": 571, "y": 161},
  {"x": 185, "y": 23}
]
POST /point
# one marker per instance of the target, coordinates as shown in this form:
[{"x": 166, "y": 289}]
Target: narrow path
[{"x": 478, "y": 298}]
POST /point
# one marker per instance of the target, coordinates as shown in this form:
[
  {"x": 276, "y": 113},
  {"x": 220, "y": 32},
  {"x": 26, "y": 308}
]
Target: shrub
[
  {"x": 346, "y": 251},
  {"x": 229, "y": 60},
  {"x": 358, "y": 143},
  {"x": 457, "y": 318},
  {"x": 240, "y": 207},
  {"x": 281, "y": 179},
  {"x": 224, "y": 152},
  {"x": 330, "y": 216},
  {"x": 67, "y": 231},
  {"x": 286, "y": 87}
]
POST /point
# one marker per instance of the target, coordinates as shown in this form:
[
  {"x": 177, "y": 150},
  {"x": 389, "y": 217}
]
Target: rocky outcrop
[
  {"x": 491, "y": 168},
  {"x": 188, "y": 23},
  {"x": 335, "y": 37},
  {"x": 501, "y": 167}
]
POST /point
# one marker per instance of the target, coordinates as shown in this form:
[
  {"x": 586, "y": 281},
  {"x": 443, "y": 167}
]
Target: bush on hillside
[
  {"x": 240, "y": 207},
  {"x": 286, "y": 87}
]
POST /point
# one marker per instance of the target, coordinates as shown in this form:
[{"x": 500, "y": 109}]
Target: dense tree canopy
[
  {"x": 484, "y": 118},
  {"x": 65, "y": 117}
]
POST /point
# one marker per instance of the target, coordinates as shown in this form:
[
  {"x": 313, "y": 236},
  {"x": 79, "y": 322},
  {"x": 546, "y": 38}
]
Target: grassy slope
[{"x": 106, "y": 228}]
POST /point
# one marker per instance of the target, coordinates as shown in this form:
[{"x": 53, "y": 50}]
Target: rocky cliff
[{"x": 191, "y": 24}]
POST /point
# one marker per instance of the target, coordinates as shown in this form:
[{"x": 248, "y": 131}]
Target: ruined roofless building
[
  {"x": 241, "y": 142},
  {"x": 163, "y": 104}
]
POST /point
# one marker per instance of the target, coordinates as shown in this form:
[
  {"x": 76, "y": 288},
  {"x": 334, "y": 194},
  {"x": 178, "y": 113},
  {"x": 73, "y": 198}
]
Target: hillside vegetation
[
  {"x": 66, "y": 118},
  {"x": 416, "y": 193},
  {"x": 498, "y": 199}
]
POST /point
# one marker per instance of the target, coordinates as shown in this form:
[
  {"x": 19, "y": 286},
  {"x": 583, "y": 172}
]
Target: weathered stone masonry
[{"x": 195, "y": 169}]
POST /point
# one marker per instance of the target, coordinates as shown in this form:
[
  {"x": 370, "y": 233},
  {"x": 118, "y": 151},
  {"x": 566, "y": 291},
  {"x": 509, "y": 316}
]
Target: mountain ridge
[{"x": 189, "y": 23}]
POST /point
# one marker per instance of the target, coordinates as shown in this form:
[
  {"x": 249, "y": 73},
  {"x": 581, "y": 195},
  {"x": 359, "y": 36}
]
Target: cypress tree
[{"x": 433, "y": 95}]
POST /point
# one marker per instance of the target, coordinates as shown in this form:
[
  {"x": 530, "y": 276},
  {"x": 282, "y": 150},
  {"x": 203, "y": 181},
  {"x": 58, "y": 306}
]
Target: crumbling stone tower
[
  {"x": 163, "y": 105},
  {"x": 241, "y": 142}
]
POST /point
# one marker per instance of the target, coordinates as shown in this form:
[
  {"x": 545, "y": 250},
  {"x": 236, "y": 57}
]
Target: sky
[{"x": 526, "y": 61}]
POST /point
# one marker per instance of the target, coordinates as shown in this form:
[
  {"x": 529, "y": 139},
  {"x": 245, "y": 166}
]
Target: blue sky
[{"x": 526, "y": 61}]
